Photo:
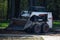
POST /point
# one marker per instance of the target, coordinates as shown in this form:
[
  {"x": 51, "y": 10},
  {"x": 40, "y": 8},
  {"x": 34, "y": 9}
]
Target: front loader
[{"x": 34, "y": 20}]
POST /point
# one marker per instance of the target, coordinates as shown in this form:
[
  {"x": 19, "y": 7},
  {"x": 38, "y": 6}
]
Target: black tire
[
  {"x": 45, "y": 28},
  {"x": 37, "y": 29}
]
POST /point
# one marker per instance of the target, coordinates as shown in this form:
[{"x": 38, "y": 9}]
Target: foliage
[
  {"x": 51, "y": 5},
  {"x": 3, "y": 8},
  {"x": 54, "y": 6}
]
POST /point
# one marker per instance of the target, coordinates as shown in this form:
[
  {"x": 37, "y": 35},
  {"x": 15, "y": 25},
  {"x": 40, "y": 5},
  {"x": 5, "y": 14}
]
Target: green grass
[
  {"x": 56, "y": 24},
  {"x": 5, "y": 24}
]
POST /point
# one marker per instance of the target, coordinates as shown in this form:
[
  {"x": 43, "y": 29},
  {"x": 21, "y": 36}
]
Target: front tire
[{"x": 28, "y": 30}]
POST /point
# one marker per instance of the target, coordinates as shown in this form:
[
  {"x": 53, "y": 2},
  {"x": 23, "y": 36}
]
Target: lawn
[
  {"x": 56, "y": 24},
  {"x": 6, "y": 23}
]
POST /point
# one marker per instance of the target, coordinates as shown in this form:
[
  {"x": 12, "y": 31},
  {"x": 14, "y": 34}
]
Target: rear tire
[{"x": 45, "y": 28}]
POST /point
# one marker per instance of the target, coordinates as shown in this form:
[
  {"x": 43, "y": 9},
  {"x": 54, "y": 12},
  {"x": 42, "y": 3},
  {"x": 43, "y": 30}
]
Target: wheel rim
[{"x": 37, "y": 29}]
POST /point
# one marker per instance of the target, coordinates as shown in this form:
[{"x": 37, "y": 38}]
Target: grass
[
  {"x": 56, "y": 24},
  {"x": 5, "y": 24}
]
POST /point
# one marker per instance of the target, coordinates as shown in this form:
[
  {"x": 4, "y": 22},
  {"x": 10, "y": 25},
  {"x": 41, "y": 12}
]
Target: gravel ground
[
  {"x": 21, "y": 35},
  {"x": 24, "y": 33},
  {"x": 32, "y": 37}
]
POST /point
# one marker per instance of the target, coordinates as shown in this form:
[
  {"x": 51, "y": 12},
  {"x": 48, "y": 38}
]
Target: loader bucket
[{"x": 17, "y": 24}]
